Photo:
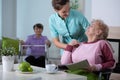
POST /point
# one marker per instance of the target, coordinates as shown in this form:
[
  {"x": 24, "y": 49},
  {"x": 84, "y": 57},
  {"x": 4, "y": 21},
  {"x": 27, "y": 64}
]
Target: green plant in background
[
  {"x": 8, "y": 51},
  {"x": 74, "y": 4}
]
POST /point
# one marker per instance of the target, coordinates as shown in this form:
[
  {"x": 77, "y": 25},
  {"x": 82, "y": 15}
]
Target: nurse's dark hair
[
  {"x": 58, "y": 4},
  {"x": 38, "y": 25}
]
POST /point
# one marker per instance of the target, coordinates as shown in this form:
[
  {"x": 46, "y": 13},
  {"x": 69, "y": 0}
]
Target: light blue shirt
[{"x": 73, "y": 27}]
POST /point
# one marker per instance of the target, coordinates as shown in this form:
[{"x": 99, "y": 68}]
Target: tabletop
[{"x": 38, "y": 74}]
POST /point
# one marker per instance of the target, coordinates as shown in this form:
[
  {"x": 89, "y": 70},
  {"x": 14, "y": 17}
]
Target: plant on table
[
  {"x": 8, "y": 51},
  {"x": 8, "y": 56}
]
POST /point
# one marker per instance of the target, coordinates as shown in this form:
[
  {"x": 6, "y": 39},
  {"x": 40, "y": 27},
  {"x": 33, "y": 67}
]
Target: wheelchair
[{"x": 102, "y": 75}]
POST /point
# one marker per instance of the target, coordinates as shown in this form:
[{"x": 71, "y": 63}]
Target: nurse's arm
[{"x": 58, "y": 44}]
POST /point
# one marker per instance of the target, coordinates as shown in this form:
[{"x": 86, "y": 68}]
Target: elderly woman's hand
[
  {"x": 21, "y": 42},
  {"x": 73, "y": 42},
  {"x": 48, "y": 43},
  {"x": 92, "y": 68}
]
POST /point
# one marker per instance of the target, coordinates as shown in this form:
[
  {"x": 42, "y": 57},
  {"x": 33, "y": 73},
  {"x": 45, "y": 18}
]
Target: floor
[{"x": 115, "y": 76}]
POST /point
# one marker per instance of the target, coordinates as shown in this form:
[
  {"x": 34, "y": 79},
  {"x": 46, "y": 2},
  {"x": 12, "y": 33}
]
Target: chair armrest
[
  {"x": 62, "y": 67},
  {"x": 105, "y": 73}
]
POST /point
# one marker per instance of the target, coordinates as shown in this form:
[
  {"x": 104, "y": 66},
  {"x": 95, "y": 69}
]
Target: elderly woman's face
[
  {"x": 64, "y": 12},
  {"x": 92, "y": 29}
]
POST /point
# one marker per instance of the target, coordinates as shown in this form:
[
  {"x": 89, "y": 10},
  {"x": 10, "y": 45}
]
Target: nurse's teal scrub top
[{"x": 73, "y": 27}]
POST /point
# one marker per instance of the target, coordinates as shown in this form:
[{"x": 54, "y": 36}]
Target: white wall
[
  {"x": 30, "y": 12},
  {"x": 0, "y": 18},
  {"x": 88, "y": 9},
  {"x": 9, "y": 18},
  {"x": 21, "y": 15},
  {"x": 107, "y": 10}
]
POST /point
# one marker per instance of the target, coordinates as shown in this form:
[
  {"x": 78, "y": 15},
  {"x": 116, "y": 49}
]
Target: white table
[{"x": 39, "y": 74}]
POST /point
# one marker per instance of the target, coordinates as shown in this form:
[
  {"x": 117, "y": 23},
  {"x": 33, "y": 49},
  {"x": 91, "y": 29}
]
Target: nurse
[{"x": 66, "y": 24}]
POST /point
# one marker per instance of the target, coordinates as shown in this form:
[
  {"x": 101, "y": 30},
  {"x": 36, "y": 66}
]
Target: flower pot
[{"x": 8, "y": 63}]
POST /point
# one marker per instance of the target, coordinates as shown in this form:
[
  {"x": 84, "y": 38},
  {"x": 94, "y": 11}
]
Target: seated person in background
[
  {"x": 96, "y": 50},
  {"x": 36, "y": 54}
]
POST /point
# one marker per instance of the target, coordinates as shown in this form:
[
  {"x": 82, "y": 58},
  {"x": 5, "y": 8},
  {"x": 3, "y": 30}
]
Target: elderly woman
[{"x": 96, "y": 50}]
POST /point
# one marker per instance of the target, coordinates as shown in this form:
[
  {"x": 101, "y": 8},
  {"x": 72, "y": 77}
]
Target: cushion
[{"x": 9, "y": 42}]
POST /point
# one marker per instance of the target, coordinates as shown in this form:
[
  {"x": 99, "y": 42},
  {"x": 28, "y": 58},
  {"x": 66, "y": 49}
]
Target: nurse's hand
[{"x": 74, "y": 42}]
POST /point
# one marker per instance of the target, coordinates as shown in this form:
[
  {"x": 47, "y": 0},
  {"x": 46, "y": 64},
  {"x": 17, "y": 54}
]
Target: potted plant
[{"x": 8, "y": 55}]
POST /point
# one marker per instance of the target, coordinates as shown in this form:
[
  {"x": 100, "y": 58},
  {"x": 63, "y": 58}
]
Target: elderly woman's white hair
[{"x": 103, "y": 27}]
